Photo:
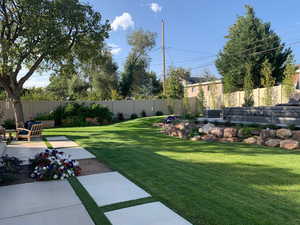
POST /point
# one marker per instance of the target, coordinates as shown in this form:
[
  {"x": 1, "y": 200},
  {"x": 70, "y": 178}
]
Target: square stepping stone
[
  {"x": 61, "y": 142},
  {"x": 110, "y": 188},
  {"x": 77, "y": 153},
  {"x": 25, "y": 150},
  {"x": 72, "y": 215},
  {"x": 147, "y": 214},
  {"x": 22, "y": 199},
  {"x": 57, "y": 138}
]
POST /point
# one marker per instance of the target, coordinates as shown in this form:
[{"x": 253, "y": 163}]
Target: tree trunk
[{"x": 18, "y": 110}]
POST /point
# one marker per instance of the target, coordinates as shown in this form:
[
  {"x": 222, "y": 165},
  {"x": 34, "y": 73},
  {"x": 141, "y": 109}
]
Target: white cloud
[
  {"x": 155, "y": 7},
  {"x": 114, "y": 49},
  {"x": 124, "y": 21}
]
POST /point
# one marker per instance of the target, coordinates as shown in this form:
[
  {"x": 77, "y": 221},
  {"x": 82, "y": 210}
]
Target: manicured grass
[{"x": 207, "y": 183}]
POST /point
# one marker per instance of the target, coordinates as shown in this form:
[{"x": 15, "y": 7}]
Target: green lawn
[{"x": 207, "y": 183}]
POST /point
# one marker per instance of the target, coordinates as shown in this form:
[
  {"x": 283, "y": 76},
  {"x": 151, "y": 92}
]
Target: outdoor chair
[{"x": 35, "y": 130}]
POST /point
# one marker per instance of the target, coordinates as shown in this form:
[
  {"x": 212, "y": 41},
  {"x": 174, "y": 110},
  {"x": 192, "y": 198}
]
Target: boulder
[
  {"x": 283, "y": 133},
  {"x": 158, "y": 125},
  {"x": 217, "y": 131},
  {"x": 206, "y": 128},
  {"x": 182, "y": 125},
  {"x": 250, "y": 140},
  {"x": 230, "y": 132},
  {"x": 289, "y": 144},
  {"x": 196, "y": 138},
  {"x": 232, "y": 139},
  {"x": 260, "y": 141},
  {"x": 209, "y": 137},
  {"x": 267, "y": 133},
  {"x": 296, "y": 135},
  {"x": 273, "y": 142}
]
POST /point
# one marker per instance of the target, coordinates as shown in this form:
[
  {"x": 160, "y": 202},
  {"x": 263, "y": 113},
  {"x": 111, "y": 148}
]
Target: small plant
[
  {"x": 133, "y": 116},
  {"x": 120, "y": 117},
  {"x": 9, "y": 124},
  {"x": 44, "y": 116},
  {"x": 53, "y": 165},
  {"x": 9, "y": 166},
  {"x": 159, "y": 113},
  {"x": 143, "y": 113},
  {"x": 292, "y": 127},
  {"x": 247, "y": 131}
]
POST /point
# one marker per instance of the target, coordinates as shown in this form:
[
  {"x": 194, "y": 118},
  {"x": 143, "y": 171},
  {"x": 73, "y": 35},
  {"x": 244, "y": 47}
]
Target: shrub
[
  {"x": 133, "y": 116},
  {"x": 120, "y": 117},
  {"x": 9, "y": 124},
  {"x": 100, "y": 112},
  {"x": 9, "y": 166},
  {"x": 159, "y": 113},
  {"x": 143, "y": 113},
  {"x": 247, "y": 131},
  {"x": 74, "y": 114},
  {"x": 44, "y": 116},
  {"x": 53, "y": 165}
]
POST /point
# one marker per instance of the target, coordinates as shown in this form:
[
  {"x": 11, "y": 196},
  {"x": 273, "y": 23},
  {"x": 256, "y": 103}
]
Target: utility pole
[{"x": 163, "y": 54}]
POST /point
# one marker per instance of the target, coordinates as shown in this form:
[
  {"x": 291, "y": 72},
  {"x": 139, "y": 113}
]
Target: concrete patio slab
[
  {"x": 147, "y": 214},
  {"x": 25, "y": 150},
  {"x": 57, "y": 138},
  {"x": 71, "y": 215},
  {"x": 61, "y": 142},
  {"x": 77, "y": 153},
  {"x": 110, "y": 188},
  {"x": 22, "y": 199}
]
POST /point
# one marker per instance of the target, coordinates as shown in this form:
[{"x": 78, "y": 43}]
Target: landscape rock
[
  {"x": 217, "y": 131},
  {"x": 283, "y": 133},
  {"x": 260, "y": 141},
  {"x": 206, "y": 128},
  {"x": 232, "y": 139},
  {"x": 158, "y": 125},
  {"x": 230, "y": 132},
  {"x": 209, "y": 137},
  {"x": 182, "y": 125},
  {"x": 196, "y": 138},
  {"x": 267, "y": 133},
  {"x": 296, "y": 135},
  {"x": 273, "y": 142},
  {"x": 289, "y": 144},
  {"x": 250, "y": 140}
]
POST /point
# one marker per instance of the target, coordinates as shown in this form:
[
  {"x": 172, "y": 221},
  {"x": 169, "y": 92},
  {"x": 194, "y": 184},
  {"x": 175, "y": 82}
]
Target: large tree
[
  {"x": 135, "y": 69},
  {"x": 37, "y": 34},
  {"x": 250, "y": 42},
  {"x": 174, "y": 87}
]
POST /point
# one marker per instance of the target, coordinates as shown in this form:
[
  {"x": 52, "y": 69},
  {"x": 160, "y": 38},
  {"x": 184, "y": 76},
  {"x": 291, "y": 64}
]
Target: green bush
[
  {"x": 143, "y": 113},
  {"x": 9, "y": 124},
  {"x": 120, "y": 117},
  {"x": 74, "y": 114},
  {"x": 133, "y": 116},
  {"x": 159, "y": 113},
  {"x": 247, "y": 131},
  {"x": 44, "y": 116}
]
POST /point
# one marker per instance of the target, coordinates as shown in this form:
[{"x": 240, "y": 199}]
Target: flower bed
[{"x": 53, "y": 165}]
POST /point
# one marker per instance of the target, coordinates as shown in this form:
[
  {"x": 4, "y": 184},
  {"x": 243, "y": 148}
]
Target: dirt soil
[{"x": 92, "y": 166}]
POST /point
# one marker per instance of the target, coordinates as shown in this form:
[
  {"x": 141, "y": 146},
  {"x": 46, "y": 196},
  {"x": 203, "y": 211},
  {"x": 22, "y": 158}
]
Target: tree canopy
[
  {"x": 250, "y": 42},
  {"x": 38, "y": 34}
]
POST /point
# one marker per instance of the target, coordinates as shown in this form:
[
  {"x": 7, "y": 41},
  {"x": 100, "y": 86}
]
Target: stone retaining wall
[{"x": 285, "y": 115}]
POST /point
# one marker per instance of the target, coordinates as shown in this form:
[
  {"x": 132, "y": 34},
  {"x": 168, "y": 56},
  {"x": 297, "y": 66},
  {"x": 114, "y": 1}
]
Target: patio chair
[{"x": 34, "y": 131}]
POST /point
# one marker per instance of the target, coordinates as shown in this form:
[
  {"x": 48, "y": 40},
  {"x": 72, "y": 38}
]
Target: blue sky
[{"x": 195, "y": 29}]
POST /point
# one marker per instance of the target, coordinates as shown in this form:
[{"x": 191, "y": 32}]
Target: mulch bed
[{"x": 88, "y": 166}]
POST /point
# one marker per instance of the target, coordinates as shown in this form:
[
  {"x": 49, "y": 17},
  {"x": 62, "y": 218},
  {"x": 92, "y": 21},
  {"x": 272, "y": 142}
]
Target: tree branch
[{"x": 31, "y": 71}]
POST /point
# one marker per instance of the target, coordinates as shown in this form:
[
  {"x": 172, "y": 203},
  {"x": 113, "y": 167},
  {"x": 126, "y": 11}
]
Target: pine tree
[
  {"x": 288, "y": 81},
  {"x": 248, "y": 87},
  {"x": 248, "y": 36},
  {"x": 267, "y": 82},
  {"x": 201, "y": 102}
]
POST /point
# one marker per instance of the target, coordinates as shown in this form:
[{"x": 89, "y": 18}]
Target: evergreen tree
[
  {"x": 267, "y": 82},
  {"x": 173, "y": 86},
  {"x": 250, "y": 41},
  {"x": 288, "y": 81},
  {"x": 201, "y": 102},
  {"x": 248, "y": 87}
]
